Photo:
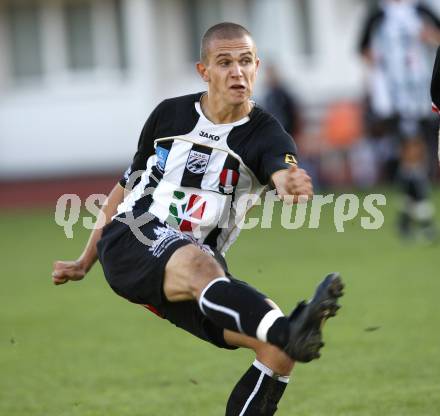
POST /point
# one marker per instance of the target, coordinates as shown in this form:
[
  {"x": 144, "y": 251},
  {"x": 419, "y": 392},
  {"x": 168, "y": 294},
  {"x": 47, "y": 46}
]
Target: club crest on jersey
[
  {"x": 188, "y": 212},
  {"x": 197, "y": 162},
  {"x": 228, "y": 180},
  {"x": 162, "y": 156}
]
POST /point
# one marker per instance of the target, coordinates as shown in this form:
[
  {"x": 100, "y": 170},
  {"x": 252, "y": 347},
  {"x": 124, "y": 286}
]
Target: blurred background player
[
  {"x": 435, "y": 91},
  {"x": 397, "y": 45},
  {"x": 280, "y": 102}
]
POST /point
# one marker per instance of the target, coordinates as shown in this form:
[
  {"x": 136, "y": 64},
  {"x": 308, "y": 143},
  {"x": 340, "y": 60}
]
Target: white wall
[
  {"x": 80, "y": 123},
  {"x": 90, "y": 122}
]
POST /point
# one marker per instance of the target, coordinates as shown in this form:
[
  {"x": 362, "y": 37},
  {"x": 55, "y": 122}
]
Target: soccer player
[
  {"x": 280, "y": 102},
  {"x": 435, "y": 91},
  {"x": 199, "y": 156},
  {"x": 396, "y": 43}
]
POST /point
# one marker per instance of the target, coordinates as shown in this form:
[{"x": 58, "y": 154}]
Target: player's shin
[
  {"x": 417, "y": 209},
  {"x": 236, "y": 306}
]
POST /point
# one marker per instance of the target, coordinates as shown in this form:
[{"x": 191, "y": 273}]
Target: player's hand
[
  {"x": 293, "y": 182},
  {"x": 63, "y": 271}
]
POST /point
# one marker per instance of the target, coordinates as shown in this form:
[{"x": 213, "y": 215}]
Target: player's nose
[{"x": 236, "y": 70}]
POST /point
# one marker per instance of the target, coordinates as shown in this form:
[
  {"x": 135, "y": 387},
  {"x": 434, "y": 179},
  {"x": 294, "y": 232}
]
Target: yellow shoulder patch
[{"x": 290, "y": 159}]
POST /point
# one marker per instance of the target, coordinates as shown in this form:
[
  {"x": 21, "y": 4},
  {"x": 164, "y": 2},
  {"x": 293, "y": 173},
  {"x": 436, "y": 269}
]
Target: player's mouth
[{"x": 238, "y": 87}]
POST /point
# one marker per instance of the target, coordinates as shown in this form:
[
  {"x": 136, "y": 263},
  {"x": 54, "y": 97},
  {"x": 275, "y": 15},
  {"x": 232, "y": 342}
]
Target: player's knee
[
  {"x": 204, "y": 268},
  {"x": 274, "y": 358}
]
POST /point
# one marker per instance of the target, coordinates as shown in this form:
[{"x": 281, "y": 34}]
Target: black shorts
[{"x": 135, "y": 271}]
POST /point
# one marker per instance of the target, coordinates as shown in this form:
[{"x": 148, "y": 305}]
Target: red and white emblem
[{"x": 228, "y": 180}]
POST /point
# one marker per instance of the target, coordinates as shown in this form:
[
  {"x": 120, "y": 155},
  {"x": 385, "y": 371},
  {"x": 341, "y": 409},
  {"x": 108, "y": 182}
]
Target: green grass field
[{"x": 79, "y": 350}]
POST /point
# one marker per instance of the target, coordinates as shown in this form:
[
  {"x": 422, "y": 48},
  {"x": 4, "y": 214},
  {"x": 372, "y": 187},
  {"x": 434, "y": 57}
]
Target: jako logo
[{"x": 209, "y": 136}]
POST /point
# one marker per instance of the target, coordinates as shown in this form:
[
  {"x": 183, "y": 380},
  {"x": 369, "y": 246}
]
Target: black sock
[
  {"x": 237, "y": 306},
  {"x": 405, "y": 222},
  {"x": 257, "y": 393},
  {"x": 417, "y": 209},
  {"x": 414, "y": 183}
]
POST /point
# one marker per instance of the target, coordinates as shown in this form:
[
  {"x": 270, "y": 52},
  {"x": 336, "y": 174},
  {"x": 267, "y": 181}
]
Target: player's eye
[
  {"x": 246, "y": 61},
  {"x": 224, "y": 63}
]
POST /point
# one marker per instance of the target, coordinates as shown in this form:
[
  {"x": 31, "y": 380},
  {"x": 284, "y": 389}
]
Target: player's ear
[
  {"x": 202, "y": 70},
  {"x": 257, "y": 63}
]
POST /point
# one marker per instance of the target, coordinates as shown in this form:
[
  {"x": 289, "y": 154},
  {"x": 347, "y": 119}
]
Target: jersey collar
[{"x": 234, "y": 124}]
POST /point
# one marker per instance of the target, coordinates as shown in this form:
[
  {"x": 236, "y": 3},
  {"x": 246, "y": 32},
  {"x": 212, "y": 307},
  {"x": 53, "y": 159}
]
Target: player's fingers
[
  {"x": 67, "y": 270},
  {"x": 59, "y": 267},
  {"x": 300, "y": 187},
  {"x": 296, "y": 198},
  {"x": 64, "y": 265},
  {"x": 57, "y": 273},
  {"x": 299, "y": 176},
  {"x": 66, "y": 273},
  {"x": 301, "y": 199},
  {"x": 309, "y": 189},
  {"x": 59, "y": 280},
  {"x": 287, "y": 199}
]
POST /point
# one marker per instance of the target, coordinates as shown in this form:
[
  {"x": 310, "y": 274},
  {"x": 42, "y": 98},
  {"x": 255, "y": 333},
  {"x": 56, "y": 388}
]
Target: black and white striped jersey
[
  {"x": 202, "y": 177},
  {"x": 399, "y": 79}
]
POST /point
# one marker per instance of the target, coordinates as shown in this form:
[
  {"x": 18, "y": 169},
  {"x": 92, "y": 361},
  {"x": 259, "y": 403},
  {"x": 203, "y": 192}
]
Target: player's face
[{"x": 231, "y": 69}]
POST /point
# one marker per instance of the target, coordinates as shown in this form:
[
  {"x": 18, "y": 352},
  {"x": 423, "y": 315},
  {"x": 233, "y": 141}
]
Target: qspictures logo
[{"x": 187, "y": 210}]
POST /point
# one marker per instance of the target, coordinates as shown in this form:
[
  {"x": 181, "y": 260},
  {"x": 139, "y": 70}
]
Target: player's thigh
[{"x": 188, "y": 271}]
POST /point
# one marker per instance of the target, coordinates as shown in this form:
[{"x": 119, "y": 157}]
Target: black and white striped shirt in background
[{"x": 402, "y": 61}]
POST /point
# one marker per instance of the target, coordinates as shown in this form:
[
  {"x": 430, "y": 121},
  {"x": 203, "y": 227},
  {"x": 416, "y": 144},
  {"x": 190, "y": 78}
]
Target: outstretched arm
[{"x": 63, "y": 271}]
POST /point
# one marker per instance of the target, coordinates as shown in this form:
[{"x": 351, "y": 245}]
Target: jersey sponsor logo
[
  {"x": 228, "y": 180},
  {"x": 188, "y": 212},
  {"x": 290, "y": 159},
  {"x": 197, "y": 162},
  {"x": 209, "y": 136},
  {"x": 162, "y": 156}
]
